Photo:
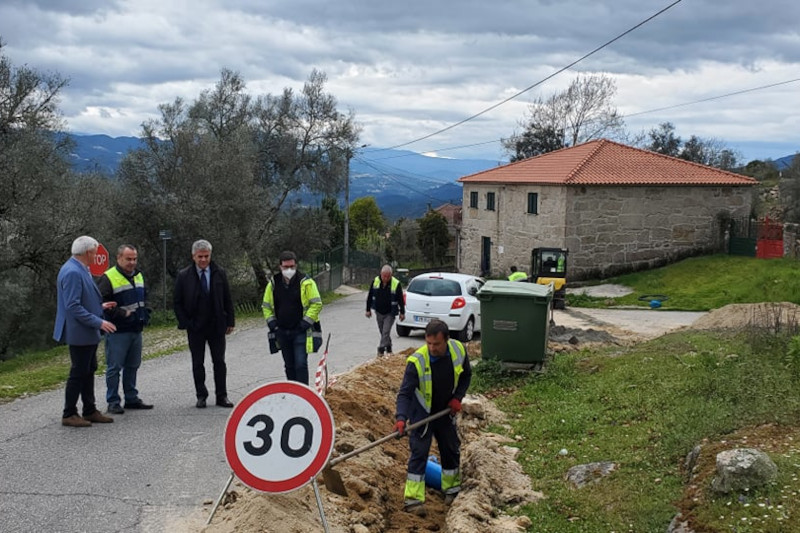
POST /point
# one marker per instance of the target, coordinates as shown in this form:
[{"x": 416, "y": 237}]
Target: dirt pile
[
  {"x": 770, "y": 315},
  {"x": 362, "y": 402}
]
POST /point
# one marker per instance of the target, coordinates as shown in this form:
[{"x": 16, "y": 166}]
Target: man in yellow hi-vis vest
[
  {"x": 291, "y": 308},
  {"x": 437, "y": 377},
  {"x": 124, "y": 285},
  {"x": 386, "y": 298}
]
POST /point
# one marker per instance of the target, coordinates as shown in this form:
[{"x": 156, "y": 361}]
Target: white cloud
[{"x": 409, "y": 69}]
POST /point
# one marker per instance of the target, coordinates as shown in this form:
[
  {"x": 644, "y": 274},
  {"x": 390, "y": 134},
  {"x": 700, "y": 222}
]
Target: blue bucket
[{"x": 433, "y": 473}]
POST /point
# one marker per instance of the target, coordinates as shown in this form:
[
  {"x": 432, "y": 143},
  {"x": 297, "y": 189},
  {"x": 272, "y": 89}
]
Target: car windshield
[{"x": 435, "y": 287}]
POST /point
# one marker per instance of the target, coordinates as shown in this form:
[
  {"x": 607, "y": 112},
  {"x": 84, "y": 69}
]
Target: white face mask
[{"x": 288, "y": 273}]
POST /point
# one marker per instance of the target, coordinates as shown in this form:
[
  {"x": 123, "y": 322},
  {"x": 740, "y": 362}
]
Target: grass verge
[
  {"x": 645, "y": 407},
  {"x": 36, "y": 372},
  {"x": 708, "y": 282}
]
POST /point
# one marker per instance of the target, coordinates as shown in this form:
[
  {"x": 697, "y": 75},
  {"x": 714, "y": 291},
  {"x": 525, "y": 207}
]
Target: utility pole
[
  {"x": 346, "y": 258},
  {"x": 165, "y": 235}
]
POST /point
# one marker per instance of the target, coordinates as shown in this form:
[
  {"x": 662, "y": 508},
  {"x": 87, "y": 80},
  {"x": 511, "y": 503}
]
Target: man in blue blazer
[{"x": 79, "y": 321}]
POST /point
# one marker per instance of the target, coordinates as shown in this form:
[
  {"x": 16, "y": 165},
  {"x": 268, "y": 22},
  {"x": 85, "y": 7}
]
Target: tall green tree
[
  {"x": 433, "y": 238},
  {"x": 43, "y": 205},
  {"x": 664, "y": 141},
  {"x": 227, "y": 167},
  {"x": 366, "y": 218},
  {"x": 402, "y": 245}
]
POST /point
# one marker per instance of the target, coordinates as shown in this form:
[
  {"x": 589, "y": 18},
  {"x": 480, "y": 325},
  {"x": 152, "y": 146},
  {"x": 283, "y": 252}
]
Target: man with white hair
[
  {"x": 204, "y": 308},
  {"x": 79, "y": 321},
  {"x": 386, "y": 298}
]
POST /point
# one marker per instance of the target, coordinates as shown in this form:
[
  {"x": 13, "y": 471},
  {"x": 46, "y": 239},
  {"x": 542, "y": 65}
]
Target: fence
[{"x": 756, "y": 238}]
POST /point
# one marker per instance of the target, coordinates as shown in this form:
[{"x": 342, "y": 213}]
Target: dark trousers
[
  {"x": 80, "y": 383},
  {"x": 295, "y": 355},
  {"x": 444, "y": 430},
  {"x": 197, "y": 346}
]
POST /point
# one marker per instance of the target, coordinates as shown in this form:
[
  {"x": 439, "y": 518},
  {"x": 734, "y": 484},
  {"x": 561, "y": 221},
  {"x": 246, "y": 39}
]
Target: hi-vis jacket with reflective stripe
[
  {"x": 421, "y": 360},
  {"x": 393, "y": 294},
  {"x": 129, "y": 293},
  {"x": 312, "y": 305}
]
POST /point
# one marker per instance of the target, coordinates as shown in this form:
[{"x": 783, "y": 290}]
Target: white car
[{"x": 446, "y": 296}]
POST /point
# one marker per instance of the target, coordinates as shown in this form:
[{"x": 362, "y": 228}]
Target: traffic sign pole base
[
  {"x": 319, "y": 504},
  {"x": 219, "y": 500}
]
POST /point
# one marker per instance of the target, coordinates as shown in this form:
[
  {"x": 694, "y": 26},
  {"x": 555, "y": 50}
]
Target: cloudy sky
[{"x": 409, "y": 69}]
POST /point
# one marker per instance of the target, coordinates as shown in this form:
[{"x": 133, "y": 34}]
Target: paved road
[
  {"x": 148, "y": 467},
  {"x": 149, "y": 470}
]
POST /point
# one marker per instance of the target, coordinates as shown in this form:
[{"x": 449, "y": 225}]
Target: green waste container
[{"x": 515, "y": 321}]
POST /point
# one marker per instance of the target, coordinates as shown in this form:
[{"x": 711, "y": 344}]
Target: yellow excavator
[{"x": 549, "y": 265}]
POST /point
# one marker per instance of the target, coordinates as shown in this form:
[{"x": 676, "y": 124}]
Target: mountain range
[{"x": 404, "y": 183}]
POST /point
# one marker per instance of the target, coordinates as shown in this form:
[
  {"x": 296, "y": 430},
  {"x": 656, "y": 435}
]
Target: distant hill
[
  {"x": 100, "y": 153},
  {"x": 403, "y": 183},
  {"x": 784, "y": 162}
]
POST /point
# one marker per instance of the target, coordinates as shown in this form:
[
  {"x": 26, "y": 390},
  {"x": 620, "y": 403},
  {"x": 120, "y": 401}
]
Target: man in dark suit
[
  {"x": 204, "y": 308},
  {"x": 79, "y": 321}
]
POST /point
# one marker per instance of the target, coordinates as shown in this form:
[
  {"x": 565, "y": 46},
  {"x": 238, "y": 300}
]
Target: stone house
[
  {"x": 452, "y": 214},
  {"x": 615, "y": 208}
]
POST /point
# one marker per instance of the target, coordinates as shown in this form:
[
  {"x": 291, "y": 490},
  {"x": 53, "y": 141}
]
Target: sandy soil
[{"x": 363, "y": 405}]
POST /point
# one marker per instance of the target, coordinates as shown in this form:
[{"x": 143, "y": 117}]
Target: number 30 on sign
[{"x": 279, "y": 437}]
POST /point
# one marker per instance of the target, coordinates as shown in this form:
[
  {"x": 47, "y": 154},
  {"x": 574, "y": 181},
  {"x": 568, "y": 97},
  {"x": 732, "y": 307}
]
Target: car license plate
[{"x": 422, "y": 319}]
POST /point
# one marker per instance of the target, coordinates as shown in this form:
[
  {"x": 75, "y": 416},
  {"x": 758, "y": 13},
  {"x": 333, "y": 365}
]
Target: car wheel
[
  {"x": 402, "y": 331},
  {"x": 466, "y": 334}
]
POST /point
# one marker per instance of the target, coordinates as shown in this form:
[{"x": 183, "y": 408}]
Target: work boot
[
  {"x": 415, "y": 507},
  {"x": 75, "y": 421},
  {"x": 98, "y": 418},
  {"x": 448, "y": 498},
  {"x": 380, "y": 351}
]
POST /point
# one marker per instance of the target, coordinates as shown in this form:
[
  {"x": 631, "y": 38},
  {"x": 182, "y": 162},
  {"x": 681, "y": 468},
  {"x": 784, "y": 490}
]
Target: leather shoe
[
  {"x": 201, "y": 403},
  {"x": 223, "y": 401},
  {"x": 115, "y": 409},
  {"x": 98, "y": 418},
  {"x": 75, "y": 421},
  {"x": 138, "y": 405}
]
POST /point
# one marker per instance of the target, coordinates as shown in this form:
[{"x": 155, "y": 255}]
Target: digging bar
[{"x": 332, "y": 478}]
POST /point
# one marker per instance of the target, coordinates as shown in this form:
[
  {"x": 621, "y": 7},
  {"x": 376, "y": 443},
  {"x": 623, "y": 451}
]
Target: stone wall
[
  {"x": 612, "y": 230},
  {"x": 514, "y": 232},
  {"x": 608, "y": 230}
]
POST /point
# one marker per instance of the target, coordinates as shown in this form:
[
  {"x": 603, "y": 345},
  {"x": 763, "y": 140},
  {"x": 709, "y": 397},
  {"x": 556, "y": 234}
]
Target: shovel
[{"x": 332, "y": 479}]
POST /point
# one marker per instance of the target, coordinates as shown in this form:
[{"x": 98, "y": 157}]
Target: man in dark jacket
[
  {"x": 204, "y": 308},
  {"x": 123, "y": 284},
  {"x": 437, "y": 377},
  {"x": 386, "y": 298}
]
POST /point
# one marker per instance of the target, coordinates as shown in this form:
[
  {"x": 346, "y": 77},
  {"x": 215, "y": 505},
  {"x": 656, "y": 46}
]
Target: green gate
[{"x": 743, "y": 237}]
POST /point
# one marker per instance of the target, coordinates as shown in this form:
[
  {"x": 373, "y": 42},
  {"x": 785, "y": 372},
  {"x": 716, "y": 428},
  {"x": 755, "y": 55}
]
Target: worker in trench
[{"x": 436, "y": 378}]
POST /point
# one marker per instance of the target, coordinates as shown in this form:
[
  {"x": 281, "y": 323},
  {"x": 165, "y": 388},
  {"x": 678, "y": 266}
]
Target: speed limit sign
[{"x": 279, "y": 437}]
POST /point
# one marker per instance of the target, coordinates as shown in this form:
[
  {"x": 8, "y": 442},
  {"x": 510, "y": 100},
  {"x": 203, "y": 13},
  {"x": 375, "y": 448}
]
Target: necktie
[{"x": 204, "y": 280}]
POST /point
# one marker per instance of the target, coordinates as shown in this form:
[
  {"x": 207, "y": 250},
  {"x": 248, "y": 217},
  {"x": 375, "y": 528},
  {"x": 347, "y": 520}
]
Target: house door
[{"x": 486, "y": 256}]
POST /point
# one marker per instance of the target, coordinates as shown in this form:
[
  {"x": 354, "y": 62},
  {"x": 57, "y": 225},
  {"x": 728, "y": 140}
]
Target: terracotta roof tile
[{"x": 605, "y": 162}]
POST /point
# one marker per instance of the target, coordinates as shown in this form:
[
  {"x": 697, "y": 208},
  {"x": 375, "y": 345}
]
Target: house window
[
  {"x": 490, "y": 201},
  {"x": 473, "y": 199},
  {"x": 533, "y": 203}
]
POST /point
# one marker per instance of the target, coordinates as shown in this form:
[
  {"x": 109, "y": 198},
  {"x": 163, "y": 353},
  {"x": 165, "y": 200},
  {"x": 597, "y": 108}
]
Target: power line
[
  {"x": 702, "y": 100},
  {"x": 397, "y": 180},
  {"x": 710, "y": 98},
  {"x": 512, "y": 97}
]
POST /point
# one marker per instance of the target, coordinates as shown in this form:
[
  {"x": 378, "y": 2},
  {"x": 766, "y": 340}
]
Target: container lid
[{"x": 515, "y": 288}]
